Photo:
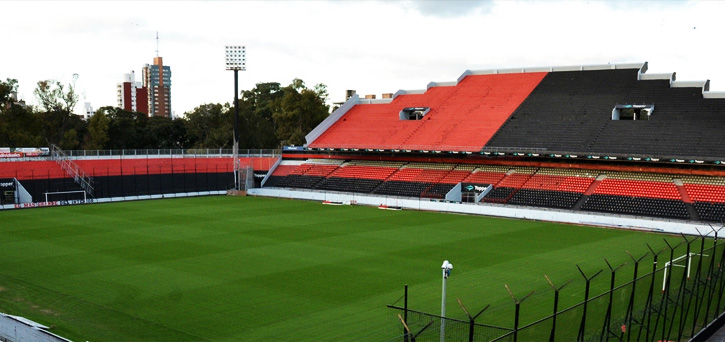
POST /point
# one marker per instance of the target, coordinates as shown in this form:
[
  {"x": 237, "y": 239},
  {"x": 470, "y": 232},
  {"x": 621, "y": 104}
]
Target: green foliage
[
  {"x": 69, "y": 140},
  {"x": 269, "y": 116},
  {"x": 55, "y": 97},
  {"x": 59, "y": 125},
  {"x": 256, "y": 108},
  {"x": 126, "y": 129},
  {"x": 165, "y": 132},
  {"x": 301, "y": 109},
  {"x": 97, "y": 136},
  {"x": 210, "y": 126},
  {"x": 19, "y": 127},
  {"x": 55, "y": 124},
  {"x": 6, "y": 89}
]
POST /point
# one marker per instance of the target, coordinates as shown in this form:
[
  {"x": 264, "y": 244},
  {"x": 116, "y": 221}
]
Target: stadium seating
[
  {"x": 461, "y": 117},
  {"x": 637, "y": 206},
  {"x": 489, "y": 174},
  {"x": 708, "y": 195},
  {"x": 414, "y": 179},
  {"x": 551, "y": 138},
  {"x": 507, "y": 187},
  {"x": 647, "y": 194},
  {"x": 555, "y": 188},
  {"x": 305, "y": 175},
  {"x": 576, "y": 106},
  {"x": 566, "y": 111},
  {"x": 632, "y": 193}
]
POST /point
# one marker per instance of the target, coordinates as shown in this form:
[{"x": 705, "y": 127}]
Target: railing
[
  {"x": 165, "y": 152},
  {"x": 518, "y": 151},
  {"x": 72, "y": 169}
]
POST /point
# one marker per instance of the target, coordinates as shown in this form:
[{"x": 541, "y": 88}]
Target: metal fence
[
  {"x": 218, "y": 152},
  {"x": 669, "y": 294}
]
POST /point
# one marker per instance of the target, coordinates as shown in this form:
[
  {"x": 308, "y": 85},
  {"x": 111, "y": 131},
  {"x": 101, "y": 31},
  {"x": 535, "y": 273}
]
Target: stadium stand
[
  {"x": 708, "y": 196},
  {"x": 463, "y": 116},
  {"x": 123, "y": 177},
  {"x": 359, "y": 176},
  {"x": 555, "y": 188},
  {"x": 577, "y": 107},
  {"x": 607, "y": 139}
]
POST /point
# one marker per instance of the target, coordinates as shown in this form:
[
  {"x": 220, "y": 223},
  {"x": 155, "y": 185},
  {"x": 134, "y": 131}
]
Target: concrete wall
[
  {"x": 113, "y": 199},
  {"x": 489, "y": 209},
  {"x": 19, "y": 329}
]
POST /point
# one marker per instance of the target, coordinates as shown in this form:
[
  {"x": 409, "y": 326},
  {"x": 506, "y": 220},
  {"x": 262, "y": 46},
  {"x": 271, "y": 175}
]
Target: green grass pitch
[{"x": 262, "y": 269}]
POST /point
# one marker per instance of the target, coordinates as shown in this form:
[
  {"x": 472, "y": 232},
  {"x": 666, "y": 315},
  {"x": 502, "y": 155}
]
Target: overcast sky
[{"x": 373, "y": 47}]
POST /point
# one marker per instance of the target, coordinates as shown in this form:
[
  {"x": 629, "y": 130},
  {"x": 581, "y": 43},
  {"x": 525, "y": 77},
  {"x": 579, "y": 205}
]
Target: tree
[
  {"x": 126, "y": 130},
  {"x": 54, "y": 97},
  {"x": 256, "y": 108},
  {"x": 18, "y": 125},
  {"x": 69, "y": 140},
  {"x": 6, "y": 89},
  {"x": 301, "y": 109},
  {"x": 57, "y": 103},
  {"x": 163, "y": 132},
  {"x": 97, "y": 136},
  {"x": 210, "y": 126}
]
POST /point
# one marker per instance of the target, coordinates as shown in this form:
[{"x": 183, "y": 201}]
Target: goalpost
[
  {"x": 673, "y": 263},
  {"x": 65, "y": 192}
]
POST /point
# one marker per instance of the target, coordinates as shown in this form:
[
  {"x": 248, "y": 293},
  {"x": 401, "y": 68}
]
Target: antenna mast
[{"x": 157, "y": 43}]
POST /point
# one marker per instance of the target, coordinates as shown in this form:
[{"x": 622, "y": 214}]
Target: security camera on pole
[{"x": 446, "y": 267}]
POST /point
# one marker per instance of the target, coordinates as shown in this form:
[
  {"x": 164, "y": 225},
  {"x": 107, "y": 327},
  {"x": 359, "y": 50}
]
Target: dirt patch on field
[
  {"x": 2, "y": 289},
  {"x": 48, "y": 312}
]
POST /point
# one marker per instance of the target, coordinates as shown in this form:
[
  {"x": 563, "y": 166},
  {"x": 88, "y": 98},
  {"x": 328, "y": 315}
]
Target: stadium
[{"x": 519, "y": 151}]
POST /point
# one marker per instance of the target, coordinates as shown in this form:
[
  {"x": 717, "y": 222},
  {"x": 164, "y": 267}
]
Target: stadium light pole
[
  {"x": 446, "y": 267},
  {"x": 236, "y": 59}
]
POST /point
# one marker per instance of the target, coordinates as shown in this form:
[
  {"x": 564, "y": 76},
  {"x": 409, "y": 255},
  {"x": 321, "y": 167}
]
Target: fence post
[
  {"x": 650, "y": 296},
  {"x": 682, "y": 293},
  {"x": 173, "y": 180},
  {"x": 518, "y": 309},
  {"x": 664, "y": 302},
  {"x": 630, "y": 305},
  {"x": 711, "y": 277},
  {"x": 698, "y": 280},
  {"x": 608, "y": 316},
  {"x": 721, "y": 280},
  {"x": 471, "y": 320},
  {"x": 405, "y": 314},
  {"x": 552, "y": 335},
  {"x": 582, "y": 325}
]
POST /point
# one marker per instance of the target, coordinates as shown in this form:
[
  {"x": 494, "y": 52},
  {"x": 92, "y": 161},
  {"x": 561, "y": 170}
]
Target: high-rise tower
[
  {"x": 132, "y": 96},
  {"x": 157, "y": 81}
]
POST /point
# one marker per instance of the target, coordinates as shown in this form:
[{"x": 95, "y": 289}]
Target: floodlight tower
[
  {"x": 236, "y": 59},
  {"x": 446, "y": 267}
]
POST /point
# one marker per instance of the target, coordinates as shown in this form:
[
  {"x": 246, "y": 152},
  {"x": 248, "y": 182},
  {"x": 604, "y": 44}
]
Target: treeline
[{"x": 270, "y": 116}]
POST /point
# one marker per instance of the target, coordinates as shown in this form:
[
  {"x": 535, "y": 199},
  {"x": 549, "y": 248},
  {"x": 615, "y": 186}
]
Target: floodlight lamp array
[{"x": 236, "y": 57}]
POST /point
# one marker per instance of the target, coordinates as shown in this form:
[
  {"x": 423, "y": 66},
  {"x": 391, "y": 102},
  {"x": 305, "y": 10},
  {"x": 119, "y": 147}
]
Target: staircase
[
  {"x": 686, "y": 198},
  {"x": 72, "y": 169},
  {"x": 592, "y": 187}
]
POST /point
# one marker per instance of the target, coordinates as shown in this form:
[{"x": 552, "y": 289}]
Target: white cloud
[{"x": 370, "y": 46}]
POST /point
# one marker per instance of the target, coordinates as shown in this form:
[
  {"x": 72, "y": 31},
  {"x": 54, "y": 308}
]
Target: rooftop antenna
[{"x": 157, "y": 43}]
